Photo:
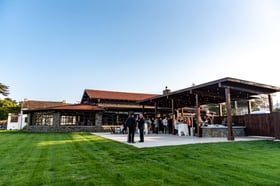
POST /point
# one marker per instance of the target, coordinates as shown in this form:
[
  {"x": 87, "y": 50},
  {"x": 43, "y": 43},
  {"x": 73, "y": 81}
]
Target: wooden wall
[
  {"x": 258, "y": 124},
  {"x": 276, "y": 121}
]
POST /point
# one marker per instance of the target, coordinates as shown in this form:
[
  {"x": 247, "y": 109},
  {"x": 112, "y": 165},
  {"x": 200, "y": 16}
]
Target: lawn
[{"x": 85, "y": 159}]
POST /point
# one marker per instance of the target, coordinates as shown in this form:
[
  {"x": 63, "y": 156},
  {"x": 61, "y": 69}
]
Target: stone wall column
[
  {"x": 98, "y": 119},
  {"x": 56, "y": 119},
  {"x": 30, "y": 119}
]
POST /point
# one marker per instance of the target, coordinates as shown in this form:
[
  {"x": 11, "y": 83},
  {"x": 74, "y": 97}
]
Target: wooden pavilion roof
[{"x": 211, "y": 92}]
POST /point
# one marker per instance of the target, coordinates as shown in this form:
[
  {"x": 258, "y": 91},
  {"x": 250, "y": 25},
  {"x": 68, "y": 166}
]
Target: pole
[{"x": 229, "y": 117}]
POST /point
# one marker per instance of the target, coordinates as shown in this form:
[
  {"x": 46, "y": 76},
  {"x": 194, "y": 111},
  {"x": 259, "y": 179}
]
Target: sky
[{"x": 53, "y": 50}]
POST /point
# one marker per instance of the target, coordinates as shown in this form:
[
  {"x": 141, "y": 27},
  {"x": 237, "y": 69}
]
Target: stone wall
[
  {"x": 40, "y": 128},
  {"x": 56, "y": 127},
  {"x": 98, "y": 119},
  {"x": 56, "y": 119},
  {"x": 222, "y": 131}
]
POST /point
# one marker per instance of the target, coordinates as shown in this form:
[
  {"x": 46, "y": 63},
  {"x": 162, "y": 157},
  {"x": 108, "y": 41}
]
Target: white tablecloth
[{"x": 183, "y": 129}]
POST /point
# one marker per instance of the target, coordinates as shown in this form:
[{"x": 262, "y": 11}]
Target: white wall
[{"x": 16, "y": 121}]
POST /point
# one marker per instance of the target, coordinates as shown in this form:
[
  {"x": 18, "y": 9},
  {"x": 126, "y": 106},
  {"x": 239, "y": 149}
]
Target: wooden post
[
  {"x": 173, "y": 116},
  {"x": 220, "y": 109},
  {"x": 172, "y": 103},
  {"x": 173, "y": 122},
  {"x": 270, "y": 102},
  {"x": 155, "y": 110},
  {"x": 275, "y": 121},
  {"x": 229, "y": 117},
  {"x": 198, "y": 119},
  {"x": 249, "y": 107}
]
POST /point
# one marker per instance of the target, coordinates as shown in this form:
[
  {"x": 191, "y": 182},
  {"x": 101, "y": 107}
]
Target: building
[
  {"x": 99, "y": 110},
  {"x": 19, "y": 121}
]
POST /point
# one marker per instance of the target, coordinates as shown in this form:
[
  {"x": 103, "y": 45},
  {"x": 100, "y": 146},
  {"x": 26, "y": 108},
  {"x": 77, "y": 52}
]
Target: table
[{"x": 183, "y": 128}]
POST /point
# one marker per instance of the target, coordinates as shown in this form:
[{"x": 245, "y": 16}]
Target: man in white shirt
[{"x": 164, "y": 123}]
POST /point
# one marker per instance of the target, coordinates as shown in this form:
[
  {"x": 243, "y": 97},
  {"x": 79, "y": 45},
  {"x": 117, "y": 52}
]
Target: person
[
  {"x": 175, "y": 127},
  {"x": 131, "y": 124},
  {"x": 124, "y": 129},
  {"x": 160, "y": 126},
  {"x": 153, "y": 125},
  {"x": 147, "y": 126},
  {"x": 156, "y": 123},
  {"x": 141, "y": 123},
  {"x": 188, "y": 122},
  {"x": 164, "y": 124},
  {"x": 170, "y": 121}
]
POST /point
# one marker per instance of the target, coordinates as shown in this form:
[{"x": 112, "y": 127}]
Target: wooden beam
[
  {"x": 220, "y": 109},
  {"x": 208, "y": 94},
  {"x": 245, "y": 89},
  {"x": 270, "y": 102},
  {"x": 173, "y": 118},
  {"x": 172, "y": 104},
  {"x": 249, "y": 106},
  {"x": 198, "y": 119},
  {"x": 155, "y": 110},
  {"x": 229, "y": 117}
]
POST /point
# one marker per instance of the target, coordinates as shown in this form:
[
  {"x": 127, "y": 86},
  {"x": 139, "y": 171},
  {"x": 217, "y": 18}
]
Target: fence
[{"x": 258, "y": 124}]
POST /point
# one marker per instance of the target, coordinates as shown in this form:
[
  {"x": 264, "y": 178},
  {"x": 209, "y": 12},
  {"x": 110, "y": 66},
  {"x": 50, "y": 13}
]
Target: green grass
[{"x": 85, "y": 159}]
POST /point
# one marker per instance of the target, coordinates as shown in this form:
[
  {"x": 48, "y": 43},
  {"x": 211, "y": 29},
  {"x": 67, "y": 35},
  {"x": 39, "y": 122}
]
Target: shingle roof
[
  {"x": 34, "y": 104},
  {"x": 67, "y": 107},
  {"x": 78, "y": 107},
  {"x": 114, "y": 95}
]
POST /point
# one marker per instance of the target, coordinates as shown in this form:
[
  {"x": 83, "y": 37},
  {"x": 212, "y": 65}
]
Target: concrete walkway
[{"x": 155, "y": 140}]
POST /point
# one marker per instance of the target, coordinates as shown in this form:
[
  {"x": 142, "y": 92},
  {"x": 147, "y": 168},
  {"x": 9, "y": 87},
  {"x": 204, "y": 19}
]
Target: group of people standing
[
  {"x": 132, "y": 123},
  {"x": 156, "y": 125}
]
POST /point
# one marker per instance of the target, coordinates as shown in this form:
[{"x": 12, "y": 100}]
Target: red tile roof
[
  {"x": 104, "y": 94},
  {"x": 34, "y": 104}
]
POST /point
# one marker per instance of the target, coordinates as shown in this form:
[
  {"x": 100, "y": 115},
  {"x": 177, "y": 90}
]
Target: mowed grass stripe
[
  {"x": 226, "y": 162},
  {"x": 85, "y": 159},
  {"x": 15, "y": 159}
]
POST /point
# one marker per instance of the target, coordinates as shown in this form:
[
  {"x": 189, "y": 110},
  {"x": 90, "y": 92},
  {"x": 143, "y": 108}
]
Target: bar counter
[{"x": 217, "y": 130}]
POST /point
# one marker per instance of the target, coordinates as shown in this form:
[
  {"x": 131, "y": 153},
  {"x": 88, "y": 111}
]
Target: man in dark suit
[
  {"x": 131, "y": 124},
  {"x": 141, "y": 126}
]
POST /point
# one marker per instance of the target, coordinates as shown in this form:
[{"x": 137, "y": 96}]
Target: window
[
  {"x": 14, "y": 118},
  {"x": 68, "y": 120},
  {"x": 42, "y": 118}
]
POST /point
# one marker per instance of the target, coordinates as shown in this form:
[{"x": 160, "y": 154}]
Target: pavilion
[{"x": 220, "y": 91}]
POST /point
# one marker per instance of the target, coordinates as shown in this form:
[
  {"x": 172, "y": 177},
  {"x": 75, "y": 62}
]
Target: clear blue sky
[{"x": 54, "y": 49}]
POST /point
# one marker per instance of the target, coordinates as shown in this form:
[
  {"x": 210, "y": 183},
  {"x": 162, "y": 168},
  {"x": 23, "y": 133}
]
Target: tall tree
[{"x": 4, "y": 90}]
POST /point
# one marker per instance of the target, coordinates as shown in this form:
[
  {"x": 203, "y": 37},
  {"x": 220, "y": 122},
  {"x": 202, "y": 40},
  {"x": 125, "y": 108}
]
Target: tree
[
  {"x": 4, "y": 90},
  {"x": 8, "y": 106}
]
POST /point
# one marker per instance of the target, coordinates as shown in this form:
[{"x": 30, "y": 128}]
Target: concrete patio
[{"x": 156, "y": 140}]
